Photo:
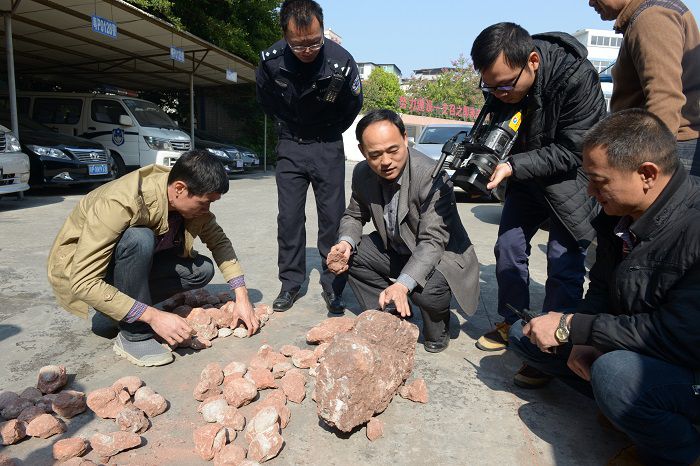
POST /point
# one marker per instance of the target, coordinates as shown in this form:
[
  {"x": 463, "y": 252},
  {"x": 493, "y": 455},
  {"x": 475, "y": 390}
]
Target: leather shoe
[
  {"x": 284, "y": 300},
  {"x": 437, "y": 346},
  {"x": 334, "y": 302}
]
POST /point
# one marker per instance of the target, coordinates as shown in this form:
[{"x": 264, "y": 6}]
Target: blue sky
[{"x": 429, "y": 34}]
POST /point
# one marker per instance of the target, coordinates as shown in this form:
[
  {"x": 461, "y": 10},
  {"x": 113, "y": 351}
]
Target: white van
[
  {"x": 136, "y": 132},
  {"x": 14, "y": 164}
]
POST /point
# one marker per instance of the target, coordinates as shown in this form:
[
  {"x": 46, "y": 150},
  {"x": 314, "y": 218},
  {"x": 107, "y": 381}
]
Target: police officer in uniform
[{"x": 311, "y": 87}]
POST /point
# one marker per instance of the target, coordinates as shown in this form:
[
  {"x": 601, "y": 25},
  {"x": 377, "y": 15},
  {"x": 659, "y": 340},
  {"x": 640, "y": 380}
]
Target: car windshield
[
  {"x": 149, "y": 114},
  {"x": 440, "y": 134},
  {"x": 24, "y": 124}
]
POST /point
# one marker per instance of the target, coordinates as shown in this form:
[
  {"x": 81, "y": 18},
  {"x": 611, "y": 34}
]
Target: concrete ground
[{"x": 475, "y": 414}]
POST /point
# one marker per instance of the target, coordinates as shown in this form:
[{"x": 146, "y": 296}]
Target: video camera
[{"x": 487, "y": 144}]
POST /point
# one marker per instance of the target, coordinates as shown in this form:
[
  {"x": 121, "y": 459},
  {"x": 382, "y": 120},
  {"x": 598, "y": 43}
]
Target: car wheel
[{"x": 118, "y": 167}]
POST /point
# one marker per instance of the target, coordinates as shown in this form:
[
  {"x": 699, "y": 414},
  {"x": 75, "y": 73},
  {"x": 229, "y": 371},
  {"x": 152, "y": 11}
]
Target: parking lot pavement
[{"x": 475, "y": 414}]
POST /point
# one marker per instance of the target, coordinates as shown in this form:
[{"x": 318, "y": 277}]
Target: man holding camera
[
  {"x": 558, "y": 90},
  {"x": 634, "y": 341},
  {"x": 311, "y": 87},
  {"x": 420, "y": 248}
]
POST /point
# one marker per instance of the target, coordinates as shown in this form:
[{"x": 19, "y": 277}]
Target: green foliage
[{"x": 381, "y": 90}]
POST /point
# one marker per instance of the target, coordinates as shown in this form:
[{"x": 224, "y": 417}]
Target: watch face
[{"x": 562, "y": 334}]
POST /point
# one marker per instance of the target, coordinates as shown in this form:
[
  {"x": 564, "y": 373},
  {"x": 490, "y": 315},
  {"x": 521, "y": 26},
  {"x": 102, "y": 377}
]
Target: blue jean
[
  {"x": 524, "y": 210},
  {"x": 650, "y": 400},
  {"x": 151, "y": 277},
  {"x": 689, "y": 154}
]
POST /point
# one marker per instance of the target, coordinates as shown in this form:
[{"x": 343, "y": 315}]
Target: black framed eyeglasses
[
  {"x": 309, "y": 48},
  {"x": 506, "y": 88}
]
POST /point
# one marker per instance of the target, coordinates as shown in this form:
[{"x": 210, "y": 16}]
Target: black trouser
[
  {"x": 151, "y": 277},
  {"x": 321, "y": 164},
  {"x": 371, "y": 269}
]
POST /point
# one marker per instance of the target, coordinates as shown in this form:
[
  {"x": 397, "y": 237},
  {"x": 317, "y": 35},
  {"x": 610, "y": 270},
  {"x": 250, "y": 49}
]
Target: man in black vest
[{"x": 311, "y": 87}]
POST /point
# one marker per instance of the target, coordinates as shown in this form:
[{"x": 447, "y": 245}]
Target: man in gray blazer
[{"x": 420, "y": 248}]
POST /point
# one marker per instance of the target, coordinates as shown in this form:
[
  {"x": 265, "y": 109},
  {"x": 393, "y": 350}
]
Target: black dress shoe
[
  {"x": 284, "y": 300},
  {"x": 437, "y": 346},
  {"x": 334, "y": 302}
]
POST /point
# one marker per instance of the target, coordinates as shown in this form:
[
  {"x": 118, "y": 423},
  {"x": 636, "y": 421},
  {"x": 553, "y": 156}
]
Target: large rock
[
  {"x": 265, "y": 446},
  {"x": 14, "y": 407},
  {"x": 209, "y": 440},
  {"x": 105, "y": 402},
  {"x": 362, "y": 370},
  {"x": 32, "y": 394},
  {"x": 12, "y": 432},
  {"x": 293, "y": 384},
  {"x": 29, "y": 414},
  {"x": 239, "y": 392},
  {"x": 51, "y": 378},
  {"x": 201, "y": 321},
  {"x": 329, "y": 328},
  {"x": 69, "y": 403},
  {"x": 45, "y": 426},
  {"x": 150, "y": 402},
  {"x": 68, "y": 448},
  {"x": 214, "y": 410},
  {"x": 262, "y": 378},
  {"x": 212, "y": 375},
  {"x": 108, "y": 445}
]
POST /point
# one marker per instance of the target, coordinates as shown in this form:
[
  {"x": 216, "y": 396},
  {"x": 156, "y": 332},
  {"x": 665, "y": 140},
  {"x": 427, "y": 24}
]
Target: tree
[{"x": 381, "y": 90}]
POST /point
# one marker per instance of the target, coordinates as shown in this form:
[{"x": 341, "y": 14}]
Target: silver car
[
  {"x": 14, "y": 164},
  {"x": 434, "y": 136}
]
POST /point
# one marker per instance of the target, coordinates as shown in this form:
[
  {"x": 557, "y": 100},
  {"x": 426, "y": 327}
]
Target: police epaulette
[
  {"x": 272, "y": 52},
  {"x": 335, "y": 66}
]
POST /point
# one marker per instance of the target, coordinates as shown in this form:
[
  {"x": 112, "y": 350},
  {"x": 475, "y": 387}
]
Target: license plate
[
  {"x": 101, "y": 169},
  {"x": 239, "y": 164}
]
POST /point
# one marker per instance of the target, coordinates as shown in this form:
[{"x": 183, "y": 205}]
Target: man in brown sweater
[{"x": 658, "y": 66}]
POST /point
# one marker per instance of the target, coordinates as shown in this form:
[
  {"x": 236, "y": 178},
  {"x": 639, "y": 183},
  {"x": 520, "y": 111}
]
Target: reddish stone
[
  {"x": 240, "y": 392},
  {"x": 199, "y": 343},
  {"x": 262, "y": 378},
  {"x": 264, "y": 307},
  {"x": 235, "y": 367},
  {"x": 280, "y": 406},
  {"x": 7, "y": 461},
  {"x": 336, "y": 261},
  {"x": 221, "y": 317},
  {"x": 220, "y": 396},
  {"x": 294, "y": 386},
  {"x": 375, "y": 429},
  {"x": 269, "y": 354},
  {"x": 132, "y": 419},
  {"x": 415, "y": 391},
  {"x": 329, "y": 328},
  {"x": 304, "y": 359},
  {"x": 230, "y": 455},
  {"x": 105, "y": 403},
  {"x": 232, "y": 418},
  {"x": 78, "y": 462},
  {"x": 32, "y": 394},
  {"x": 124, "y": 396},
  {"x": 51, "y": 378},
  {"x": 362, "y": 370},
  {"x": 235, "y": 375},
  {"x": 150, "y": 402},
  {"x": 201, "y": 321},
  {"x": 29, "y": 414},
  {"x": 68, "y": 448},
  {"x": 265, "y": 446},
  {"x": 262, "y": 316},
  {"x": 15, "y": 407},
  {"x": 320, "y": 349},
  {"x": 281, "y": 368},
  {"x": 209, "y": 440},
  {"x": 213, "y": 410},
  {"x": 183, "y": 311},
  {"x": 108, "y": 445},
  {"x": 203, "y": 391},
  {"x": 130, "y": 383},
  {"x": 258, "y": 362},
  {"x": 212, "y": 374},
  {"x": 266, "y": 419},
  {"x": 69, "y": 403},
  {"x": 289, "y": 350},
  {"x": 12, "y": 432},
  {"x": 45, "y": 426}
]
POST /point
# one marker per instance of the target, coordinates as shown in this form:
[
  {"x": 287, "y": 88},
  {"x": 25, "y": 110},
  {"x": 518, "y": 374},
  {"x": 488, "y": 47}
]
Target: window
[
  {"x": 50, "y": 110},
  {"x": 107, "y": 111},
  {"x": 601, "y": 65},
  {"x": 606, "y": 41}
]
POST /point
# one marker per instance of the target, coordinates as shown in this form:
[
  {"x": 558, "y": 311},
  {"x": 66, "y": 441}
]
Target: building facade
[
  {"x": 603, "y": 47},
  {"x": 366, "y": 68}
]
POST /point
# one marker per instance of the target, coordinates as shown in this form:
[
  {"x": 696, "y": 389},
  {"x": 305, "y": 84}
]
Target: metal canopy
[{"x": 54, "y": 40}]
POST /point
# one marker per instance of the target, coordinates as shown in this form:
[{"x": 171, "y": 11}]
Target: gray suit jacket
[{"x": 429, "y": 225}]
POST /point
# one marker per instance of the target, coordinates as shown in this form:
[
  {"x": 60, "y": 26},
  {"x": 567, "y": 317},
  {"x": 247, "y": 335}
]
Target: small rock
[
  {"x": 124, "y": 396},
  {"x": 262, "y": 315},
  {"x": 270, "y": 356},
  {"x": 304, "y": 359},
  {"x": 313, "y": 372},
  {"x": 240, "y": 332},
  {"x": 230, "y": 455},
  {"x": 199, "y": 343},
  {"x": 240, "y": 392},
  {"x": 235, "y": 375},
  {"x": 104, "y": 402},
  {"x": 280, "y": 406},
  {"x": 132, "y": 419},
  {"x": 68, "y": 448},
  {"x": 235, "y": 367},
  {"x": 212, "y": 374},
  {"x": 281, "y": 368},
  {"x": 415, "y": 391},
  {"x": 294, "y": 386},
  {"x": 150, "y": 402},
  {"x": 45, "y": 426},
  {"x": 12, "y": 432},
  {"x": 265, "y": 446},
  {"x": 130, "y": 383},
  {"x": 213, "y": 411},
  {"x": 209, "y": 440},
  {"x": 29, "y": 414},
  {"x": 51, "y": 378},
  {"x": 329, "y": 328},
  {"x": 289, "y": 350},
  {"x": 265, "y": 420},
  {"x": 108, "y": 445},
  {"x": 220, "y": 396},
  {"x": 262, "y": 378},
  {"x": 200, "y": 321},
  {"x": 32, "y": 394},
  {"x": 221, "y": 317},
  {"x": 336, "y": 261},
  {"x": 69, "y": 403},
  {"x": 225, "y": 332},
  {"x": 232, "y": 419},
  {"x": 15, "y": 407},
  {"x": 375, "y": 429},
  {"x": 202, "y": 390}
]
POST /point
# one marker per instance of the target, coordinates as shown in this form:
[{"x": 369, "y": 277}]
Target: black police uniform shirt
[{"x": 302, "y": 97}]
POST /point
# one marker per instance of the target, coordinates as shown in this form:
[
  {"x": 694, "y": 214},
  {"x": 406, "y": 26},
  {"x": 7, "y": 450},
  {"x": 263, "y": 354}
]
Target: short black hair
[
  {"x": 634, "y": 136},
  {"x": 375, "y": 116},
  {"x": 510, "y": 38},
  {"x": 302, "y": 12},
  {"x": 201, "y": 172}
]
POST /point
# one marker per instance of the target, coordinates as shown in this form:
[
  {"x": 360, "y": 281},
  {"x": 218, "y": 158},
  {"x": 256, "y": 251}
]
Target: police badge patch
[
  {"x": 118, "y": 136},
  {"x": 356, "y": 86}
]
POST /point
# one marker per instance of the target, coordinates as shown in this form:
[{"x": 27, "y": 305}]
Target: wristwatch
[{"x": 562, "y": 331}]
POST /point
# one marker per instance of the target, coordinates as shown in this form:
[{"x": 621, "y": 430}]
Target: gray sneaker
[{"x": 144, "y": 353}]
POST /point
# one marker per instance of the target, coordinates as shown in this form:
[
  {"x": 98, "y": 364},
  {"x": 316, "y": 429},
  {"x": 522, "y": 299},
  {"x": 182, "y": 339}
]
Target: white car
[
  {"x": 14, "y": 164},
  {"x": 434, "y": 136}
]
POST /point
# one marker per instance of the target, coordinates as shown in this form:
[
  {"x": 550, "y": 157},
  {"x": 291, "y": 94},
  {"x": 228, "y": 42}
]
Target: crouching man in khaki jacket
[{"x": 128, "y": 245}]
